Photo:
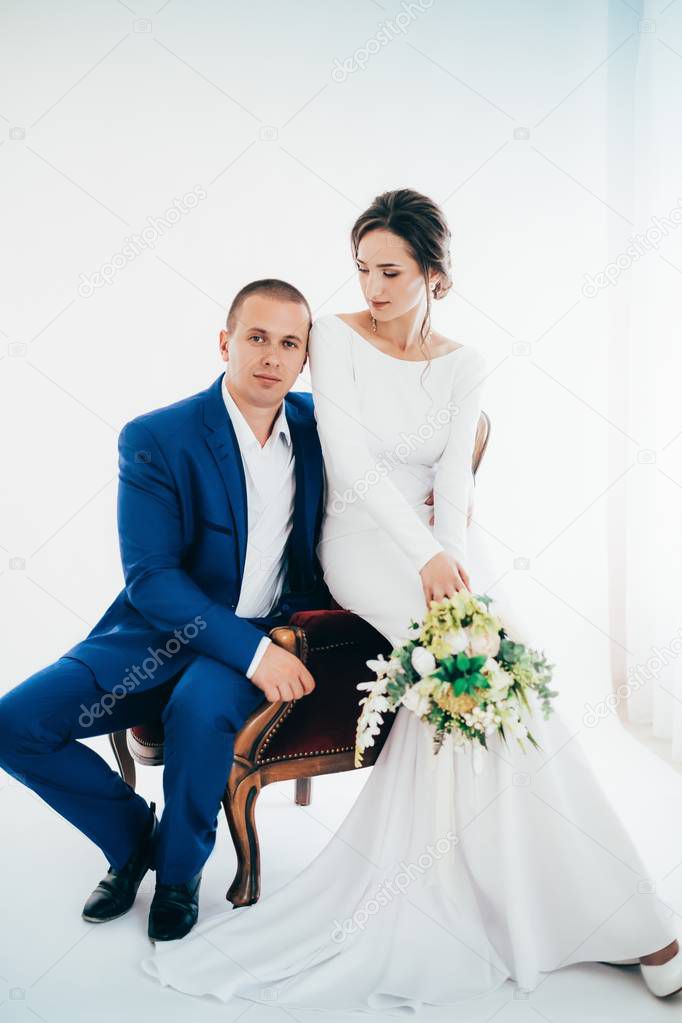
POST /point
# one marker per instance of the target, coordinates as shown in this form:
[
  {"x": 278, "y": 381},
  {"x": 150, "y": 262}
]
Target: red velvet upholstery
[
  {"x": 150, "y": 734},
  {"x": 338, "y": 645}
]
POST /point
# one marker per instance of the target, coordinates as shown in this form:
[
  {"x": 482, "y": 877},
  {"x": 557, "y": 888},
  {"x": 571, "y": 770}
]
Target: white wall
[{"x": 122, "y": 115}]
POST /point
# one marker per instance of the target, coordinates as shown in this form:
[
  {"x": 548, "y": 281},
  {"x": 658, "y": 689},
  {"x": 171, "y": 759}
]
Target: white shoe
[{"x": 664, "y": 979}]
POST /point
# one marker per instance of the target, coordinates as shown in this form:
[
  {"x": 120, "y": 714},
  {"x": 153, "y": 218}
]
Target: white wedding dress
[{"x": 448, "y": 876}]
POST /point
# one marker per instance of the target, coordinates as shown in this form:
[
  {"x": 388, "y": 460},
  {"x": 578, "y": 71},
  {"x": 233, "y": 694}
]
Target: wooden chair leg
[
  {"x": 125, "y": 762},
  {"x": 304, "y": 789},
  {"x": 240, "y": 810}
]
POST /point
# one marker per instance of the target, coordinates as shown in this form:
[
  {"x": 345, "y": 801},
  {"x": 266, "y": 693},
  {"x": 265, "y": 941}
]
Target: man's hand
[{"x": 282, "y": 676}]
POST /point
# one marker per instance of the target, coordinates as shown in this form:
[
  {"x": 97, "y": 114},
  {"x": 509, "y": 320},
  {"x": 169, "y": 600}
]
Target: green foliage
[{"x": 528, "y": 669}]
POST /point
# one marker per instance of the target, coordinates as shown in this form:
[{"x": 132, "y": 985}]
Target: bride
[{"x": 447, "y": 877}]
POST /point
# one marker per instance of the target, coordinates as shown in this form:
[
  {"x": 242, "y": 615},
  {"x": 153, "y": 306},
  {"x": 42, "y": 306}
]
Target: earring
[{"x": 374, "y": 325}]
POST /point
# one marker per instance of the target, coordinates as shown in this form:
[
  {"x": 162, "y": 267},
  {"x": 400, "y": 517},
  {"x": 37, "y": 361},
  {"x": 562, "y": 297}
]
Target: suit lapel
[
  {"x": 308, "y": 473},
  {"x": 223, "y": 444},
  {"x": 224, "y": 447},
  {"x": 297, "y": 545}
]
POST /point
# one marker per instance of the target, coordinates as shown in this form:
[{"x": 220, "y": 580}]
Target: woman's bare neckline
[{"x": 396, "y": 358}]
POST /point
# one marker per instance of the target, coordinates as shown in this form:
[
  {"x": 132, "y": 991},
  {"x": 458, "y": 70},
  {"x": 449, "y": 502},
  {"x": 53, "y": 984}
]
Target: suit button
[{"x": 286, "y": 607}]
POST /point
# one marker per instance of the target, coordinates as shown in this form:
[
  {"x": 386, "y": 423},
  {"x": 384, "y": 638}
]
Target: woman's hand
[{"x": 443, "y": 576}]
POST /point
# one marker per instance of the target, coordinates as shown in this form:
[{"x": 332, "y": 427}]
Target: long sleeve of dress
[
  {"x": 454, "y": 480},
  {"x": 347, "y": 456}
]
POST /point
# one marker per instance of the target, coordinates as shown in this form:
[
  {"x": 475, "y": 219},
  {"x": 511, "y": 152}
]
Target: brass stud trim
[
  {"x": 149, "y": 743},
  {"x": 297, "y": 756}
]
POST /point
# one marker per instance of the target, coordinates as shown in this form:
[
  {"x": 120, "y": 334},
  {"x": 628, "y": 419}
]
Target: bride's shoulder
[
  {"x": 470, "y": 364},
  {"x": 476, "y": 357},
  {"x": 471, "y": 368},
  {"x": 331, "y": 322},
  {"x": 442, "y": 345},
  {"x": 329, "y": 333}
]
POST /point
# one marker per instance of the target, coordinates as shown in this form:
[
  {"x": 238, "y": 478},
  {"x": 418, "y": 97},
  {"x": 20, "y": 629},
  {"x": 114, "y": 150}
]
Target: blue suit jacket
[{"x": 182, "y": 523}]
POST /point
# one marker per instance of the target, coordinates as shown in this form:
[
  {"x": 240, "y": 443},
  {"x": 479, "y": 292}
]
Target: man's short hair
[{"x": 271, "y": 287}]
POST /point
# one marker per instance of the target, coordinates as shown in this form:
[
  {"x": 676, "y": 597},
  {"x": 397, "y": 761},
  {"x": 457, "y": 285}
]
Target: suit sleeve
[
  {"x": 347, "y": 456},
  {"x": 454, "y": 480},
  {"x": 151, "y": 544}
]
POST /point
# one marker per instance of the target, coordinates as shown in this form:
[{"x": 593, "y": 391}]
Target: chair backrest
[{"x": 481, "y": 442}]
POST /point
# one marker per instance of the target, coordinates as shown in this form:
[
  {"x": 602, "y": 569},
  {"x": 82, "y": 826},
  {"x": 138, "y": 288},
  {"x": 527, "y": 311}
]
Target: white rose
[
  {"x": 456, "y": 640},
  {"x": 499, "y": 680},
  {"x": 493, "y": 671},
  {"x": 416, "y": 700},
  {"x": 423, "y": 661},
  {"x": 487, "y": 642}
]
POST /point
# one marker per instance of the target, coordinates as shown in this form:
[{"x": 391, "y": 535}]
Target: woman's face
[{"x": 390, "y": 277}]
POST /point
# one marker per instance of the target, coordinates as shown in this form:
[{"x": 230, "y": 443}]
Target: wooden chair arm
[{"x": 255, "y": 732}]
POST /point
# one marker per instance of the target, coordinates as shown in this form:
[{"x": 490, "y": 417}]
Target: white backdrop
[
  {"x": 218, "y": 142},
  {"x": 278, "y": 123}
]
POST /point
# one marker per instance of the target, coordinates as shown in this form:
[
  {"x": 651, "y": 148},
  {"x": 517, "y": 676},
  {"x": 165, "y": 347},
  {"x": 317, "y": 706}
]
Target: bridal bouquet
[{"x": 460, "y": 674}]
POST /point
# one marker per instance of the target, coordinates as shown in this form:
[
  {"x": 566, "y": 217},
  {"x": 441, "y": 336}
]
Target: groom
[{"x": 219, "y": 508}]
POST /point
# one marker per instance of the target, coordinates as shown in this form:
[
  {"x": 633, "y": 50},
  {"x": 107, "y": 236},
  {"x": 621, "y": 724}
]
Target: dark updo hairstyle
[{"x": 421, "y": 223}]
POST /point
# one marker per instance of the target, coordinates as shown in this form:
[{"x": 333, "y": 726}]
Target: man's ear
[{"x": 224, "y": 345}]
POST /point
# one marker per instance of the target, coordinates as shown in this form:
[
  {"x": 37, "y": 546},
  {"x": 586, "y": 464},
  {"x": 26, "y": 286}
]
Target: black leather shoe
[
  {"x": 174, "y": 910},
  {"x": 116, "y": 892}
]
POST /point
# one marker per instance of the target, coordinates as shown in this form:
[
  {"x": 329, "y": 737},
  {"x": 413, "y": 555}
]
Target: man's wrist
[{"x": 258, "y": 656}]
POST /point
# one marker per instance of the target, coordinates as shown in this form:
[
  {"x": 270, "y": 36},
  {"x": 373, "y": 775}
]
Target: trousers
[{"x": 202, "y": 709}]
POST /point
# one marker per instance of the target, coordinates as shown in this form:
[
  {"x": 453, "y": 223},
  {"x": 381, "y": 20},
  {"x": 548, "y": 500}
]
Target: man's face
[{"x": 266, "y": 349}]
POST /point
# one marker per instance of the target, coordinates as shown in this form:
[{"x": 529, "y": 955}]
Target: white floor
[{"x": 55, "y": 967}]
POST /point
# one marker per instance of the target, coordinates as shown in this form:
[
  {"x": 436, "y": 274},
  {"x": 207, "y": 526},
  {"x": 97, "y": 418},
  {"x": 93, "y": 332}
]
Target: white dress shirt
[{"x": 270, "y": 492}]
